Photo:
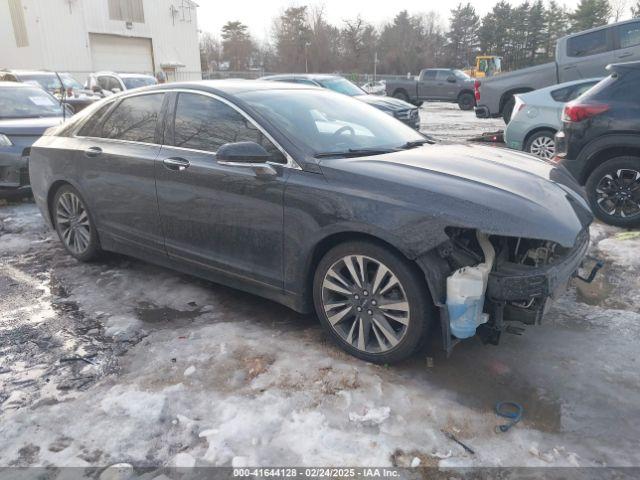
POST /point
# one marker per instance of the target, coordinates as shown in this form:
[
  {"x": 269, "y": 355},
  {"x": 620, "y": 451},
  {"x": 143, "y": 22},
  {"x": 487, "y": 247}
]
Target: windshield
[
  {"x": 27, "y": 102},
  {"x": 326, "y": 123},
  {"x": 135, "y": 82},
  {"x": 341, "y": 85},
  {"x": 461, "y": 75},
  {"x": 48, "y": 81},
  {"x": 70, "y": 82}
]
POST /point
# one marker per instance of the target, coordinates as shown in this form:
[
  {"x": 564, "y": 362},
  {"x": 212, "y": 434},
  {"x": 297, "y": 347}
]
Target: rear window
[
  {"x": 587, "y": 44},
  {"x": 617, "y": 88},
  {"x": 629, "y": 35},
  {"x": 572, "y": 92}
]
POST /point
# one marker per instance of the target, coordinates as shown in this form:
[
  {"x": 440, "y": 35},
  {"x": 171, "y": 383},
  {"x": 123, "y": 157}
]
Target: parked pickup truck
[
  {"x": 439, "y": 84},
  {"x": 579, "y": 55}
]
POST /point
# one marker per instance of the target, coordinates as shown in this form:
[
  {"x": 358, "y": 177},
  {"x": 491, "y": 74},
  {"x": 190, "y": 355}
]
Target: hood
[
  {"x": 28, "y": 126},
  {"x": 385, "y": 103},
  {"x": 487, "y": 188}
]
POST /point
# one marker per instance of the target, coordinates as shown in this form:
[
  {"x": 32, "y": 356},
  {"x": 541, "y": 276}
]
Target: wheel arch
[
  {"x": 466, "y": 90},
  {"x": 539, "y": 128},
  {"x": 510, "y": 93},
  {"x": 334, "y": 239},
  {"x": 606, "y": 148}
]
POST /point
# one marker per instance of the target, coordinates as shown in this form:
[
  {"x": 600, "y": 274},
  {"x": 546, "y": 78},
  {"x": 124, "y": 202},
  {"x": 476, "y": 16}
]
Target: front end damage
[{"x": 524, "y": 275}]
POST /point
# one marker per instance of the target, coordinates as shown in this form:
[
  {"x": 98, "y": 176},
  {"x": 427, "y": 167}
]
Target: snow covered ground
[{"x": 122, "y": 361}]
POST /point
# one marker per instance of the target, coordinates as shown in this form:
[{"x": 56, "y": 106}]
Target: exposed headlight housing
[{"x": 5, "y": 141}]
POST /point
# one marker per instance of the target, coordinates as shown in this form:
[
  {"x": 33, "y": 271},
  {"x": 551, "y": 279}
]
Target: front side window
[
  {"x": 204, "y": 123},
  {"x": 134, "y": 119},
  {"x": 588, "y": 44},
  {"x": 108, "y": 83},
  {"x": 442, "y": 75},
  {"x": 629, "y": 34}
]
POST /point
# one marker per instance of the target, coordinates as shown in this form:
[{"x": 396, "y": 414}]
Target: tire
[
  {"x": 541, "y": 144},
  {"x": 392, "y": 336},
  {"x": 74, "y": 224},
  {"x": 466, "y": 101},
  {"x": 617, "y": 179},
  {"x": 507, "y": 110},
  {"x": 401, "y": 94}
]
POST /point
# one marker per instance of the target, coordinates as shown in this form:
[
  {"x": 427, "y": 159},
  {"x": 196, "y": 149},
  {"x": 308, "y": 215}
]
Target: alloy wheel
[
  {"x": 543, "y": 147},
  {"x": 73, "y": 223},
  {"x": 618, "y": 193},
  {"x": 365, "y": 303}
]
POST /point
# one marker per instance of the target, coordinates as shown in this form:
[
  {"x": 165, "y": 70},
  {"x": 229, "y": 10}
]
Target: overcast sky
[{"x": 259, "y": 14}]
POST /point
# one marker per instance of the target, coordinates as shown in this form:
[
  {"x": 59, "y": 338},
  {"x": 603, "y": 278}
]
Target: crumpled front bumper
[{"x": 520, "y": 283}]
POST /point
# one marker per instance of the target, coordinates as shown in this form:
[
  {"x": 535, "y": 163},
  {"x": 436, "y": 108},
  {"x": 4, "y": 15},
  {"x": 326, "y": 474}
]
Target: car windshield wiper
[
  {"x": 356, "y": 152},
  {"x": 416, "y": 143}
]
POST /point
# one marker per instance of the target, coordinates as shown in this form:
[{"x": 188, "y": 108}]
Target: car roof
[
  {"x": 306, "y": 76},
  {"x": 18, "y": 85},
  {"x": 29, "y": 72},
  {"x": 232, "y": 86}
]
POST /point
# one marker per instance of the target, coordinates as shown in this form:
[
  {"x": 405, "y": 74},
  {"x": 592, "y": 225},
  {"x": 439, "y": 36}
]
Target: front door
[
  {"x": 225, "y": 218},
  {"x": 118, "y": 170}
]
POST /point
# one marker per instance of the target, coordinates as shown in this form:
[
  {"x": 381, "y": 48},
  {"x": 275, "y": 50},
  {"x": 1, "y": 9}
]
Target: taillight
[
  {"x": 476, "y": 89},
  {"x": 575, "y": 112}
]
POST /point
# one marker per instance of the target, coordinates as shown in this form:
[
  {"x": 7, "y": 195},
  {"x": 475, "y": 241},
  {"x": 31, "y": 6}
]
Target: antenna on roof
[{"x": 63, "y": 92}]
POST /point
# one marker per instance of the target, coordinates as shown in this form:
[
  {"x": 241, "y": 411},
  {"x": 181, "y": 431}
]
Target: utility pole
[
  {"x": 306, "y": 57},
  {"x": 375, "y": 65}
]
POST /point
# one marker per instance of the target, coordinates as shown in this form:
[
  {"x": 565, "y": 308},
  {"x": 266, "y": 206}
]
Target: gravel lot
[{"x": 122, "y": 361}]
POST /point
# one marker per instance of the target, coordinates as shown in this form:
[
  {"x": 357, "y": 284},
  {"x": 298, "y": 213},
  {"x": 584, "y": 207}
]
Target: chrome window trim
[{"x": 290, "y": 162}]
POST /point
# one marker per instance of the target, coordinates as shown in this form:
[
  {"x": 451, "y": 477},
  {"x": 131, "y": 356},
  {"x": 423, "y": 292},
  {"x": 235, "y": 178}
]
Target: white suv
[{"x": 108, "y": 83}]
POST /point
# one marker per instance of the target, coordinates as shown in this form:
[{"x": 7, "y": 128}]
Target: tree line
[{"x": 303, "y": 40}]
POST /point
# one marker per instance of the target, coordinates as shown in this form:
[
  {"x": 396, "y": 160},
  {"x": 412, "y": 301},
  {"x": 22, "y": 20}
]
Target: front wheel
[
  {"x": 613, "y": 190},
  {"x": 401, "y": 94},
  {"x": 466, "y": 101},
  {"x": 74, "y": 224},
  {"x": 372, "y": 301}
]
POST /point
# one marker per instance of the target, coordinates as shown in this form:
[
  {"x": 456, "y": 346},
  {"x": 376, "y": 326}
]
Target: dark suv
[{"x": 600, "y": 145}]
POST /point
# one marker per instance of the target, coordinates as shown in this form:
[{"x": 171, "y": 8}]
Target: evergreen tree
[
  {"x": 237, "y": 46},
  {"x": 556, "y": 26},
  {"x": 535, "y": 32},
  {"x": 292, "y": 35},
  {"x": 589, "y": 14},
  {"x": 463, "y": 36}
]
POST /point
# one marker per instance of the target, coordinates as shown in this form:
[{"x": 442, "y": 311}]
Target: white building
[{"x": 83, "y": 36}]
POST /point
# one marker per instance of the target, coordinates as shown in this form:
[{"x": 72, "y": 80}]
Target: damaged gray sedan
[{"x": 319, "y": 202}]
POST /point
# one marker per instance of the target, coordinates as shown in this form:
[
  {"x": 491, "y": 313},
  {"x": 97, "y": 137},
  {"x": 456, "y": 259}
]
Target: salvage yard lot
[{"x": 122, "y": 361}]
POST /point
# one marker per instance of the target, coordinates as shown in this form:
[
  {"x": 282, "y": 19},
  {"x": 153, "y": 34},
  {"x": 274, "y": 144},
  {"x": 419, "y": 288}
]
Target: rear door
[
  {"x": 116, "y": 158},
  {"x": 446, "y": 90},
  {"x": 587, "y": 55},
  {"x": 427, "y": 89},
  {"x": 627, "y": 42}
]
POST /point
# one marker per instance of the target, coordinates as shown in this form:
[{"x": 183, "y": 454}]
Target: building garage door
[{"x": 121, "y": 54}]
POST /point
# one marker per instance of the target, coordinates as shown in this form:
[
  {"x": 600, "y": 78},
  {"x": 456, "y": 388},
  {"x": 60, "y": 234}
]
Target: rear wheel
[
  {"x": 401, "y": 94},
  {"x": 542, "y": 144},
  {"x": 466, "y": 101},
  {"x": 613, "y": 190},
  {"x": 372, "y": 301},
  {"x": 74, "y": 224},
  {"x": 507, "y": 110}
]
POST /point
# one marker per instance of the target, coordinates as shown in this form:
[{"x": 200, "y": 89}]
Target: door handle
[
  {"x": 176, "y": 163},
  {"x": 93, "y": 152}
]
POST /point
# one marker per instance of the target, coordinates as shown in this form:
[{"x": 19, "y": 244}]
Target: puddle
[
  {"x": 605, "y": 289},
  {"x": 150, "y": 313}
]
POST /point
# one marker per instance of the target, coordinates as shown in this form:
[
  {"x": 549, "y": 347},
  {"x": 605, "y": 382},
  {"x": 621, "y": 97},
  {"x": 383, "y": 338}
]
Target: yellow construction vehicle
[{"x": 486, "y": 66}]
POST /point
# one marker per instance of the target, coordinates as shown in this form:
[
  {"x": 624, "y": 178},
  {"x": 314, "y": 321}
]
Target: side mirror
[
  {"x": 242, "y": 152},
  {"x": 451, "y": 79}
]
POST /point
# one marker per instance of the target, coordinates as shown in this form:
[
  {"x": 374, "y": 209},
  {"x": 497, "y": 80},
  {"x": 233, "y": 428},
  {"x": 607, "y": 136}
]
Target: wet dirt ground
[{"x": 120, "y": 360}]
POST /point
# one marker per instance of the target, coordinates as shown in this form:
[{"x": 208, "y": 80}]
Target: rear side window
[
  {"x": 134, "y": 119},
  {"x": 204, "y": 123},
  {"x": 429, "y": 75},
  {"x": 619, "y": 87},
  {"x": 629, "y": 35},
  {"x": 92, "y": 126},
  {"x": 587, "y": 44},
  {"x": 567, "y": 94},
  {"x": 443, "y": 74}
]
